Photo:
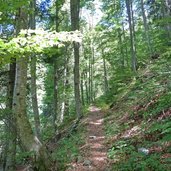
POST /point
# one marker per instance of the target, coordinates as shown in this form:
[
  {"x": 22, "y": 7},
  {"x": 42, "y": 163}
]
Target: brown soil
[{"x": 94, "y": 152}]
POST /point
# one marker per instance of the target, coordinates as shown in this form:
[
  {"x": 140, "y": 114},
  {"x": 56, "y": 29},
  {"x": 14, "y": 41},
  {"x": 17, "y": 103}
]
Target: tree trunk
[
  {"x": 105, "y": 74},
  {"x": 125, "y": 44},
  {"x": 82, "y": 88},
  {"x": 56, "y": 75},
  {"x": 34, "y": 96},
  {"x": 75, "y": 8},
  {"x": 86, "y": 86},
  {"x": 67, "y": 84},
  {"x": 33, "y": 75},
  {"x": 89, "y": 79},
  {"x": 146, "y": 29},
  {"x": 92, "y": 73},
  {"x": 10, "y": 148},
  {"x": 133, "y": 50},
  {"x": 64, "y": 99},
  {"x": 55, "y": 93},
  {"x": 121, "y": 48},
  {"x": 166, "y": 14},
  {"x": 133, "y": 30},
  {"x": 29, "y": 141}
]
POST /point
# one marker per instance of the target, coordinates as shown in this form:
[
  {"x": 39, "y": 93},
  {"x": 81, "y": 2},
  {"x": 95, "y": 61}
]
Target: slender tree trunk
[
  {"x": 75, "y": 8},
  {"x": 86, "y": 87},
  {"x": 121, "y": 48},
  {"x": 105, "y": 76},
  {"x": 10, "y": 149},
  {"x": 166, "y": 9},
  {"x": 33, "y": 75},
  {"x": 67, "y": 84},
  {"x": 92, "y": 73},
  {"x": 82, "y": 88},
  {"x": 146, "y": 28},
  {"x": 125, "y": 44},
  {"x": 133, "y": 30},
  {"x": 34, "y": 96},
  {"x": 105, "y": 73},
  {"x": 64, "y": 99},
  {"x": 133, "y": 49},
  {"x": 62, "y": 112},
  {"x": 56, "y": 77},
  {"x": 89, "y": 79},
  {"x": 55, "y": 93}
]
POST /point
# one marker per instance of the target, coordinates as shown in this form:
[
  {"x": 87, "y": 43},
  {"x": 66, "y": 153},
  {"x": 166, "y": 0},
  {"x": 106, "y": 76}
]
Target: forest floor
[{"x": 94, "y": 152}]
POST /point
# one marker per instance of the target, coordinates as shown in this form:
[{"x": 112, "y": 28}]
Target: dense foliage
[{"x": 57, "y": 57}]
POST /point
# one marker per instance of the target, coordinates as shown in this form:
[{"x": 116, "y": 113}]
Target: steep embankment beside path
[{"x": 138, "y": 127}]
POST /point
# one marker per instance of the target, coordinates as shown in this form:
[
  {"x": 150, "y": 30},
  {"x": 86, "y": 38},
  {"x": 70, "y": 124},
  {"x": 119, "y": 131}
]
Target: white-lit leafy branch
[{"x": 35, "y": 41}]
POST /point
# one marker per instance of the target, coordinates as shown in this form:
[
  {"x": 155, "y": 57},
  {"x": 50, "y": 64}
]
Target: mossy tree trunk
[
  {"x": 29, "y": 141},
  {"x": 75, "y": 9},
  {"x": 33, "y": 74},
  {"x": 132, "y": 39},
  {"x": 10, "y": 147}
]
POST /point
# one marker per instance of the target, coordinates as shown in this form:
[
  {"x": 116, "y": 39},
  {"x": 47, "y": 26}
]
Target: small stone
[
  {"x": 87, "y": 163},
  {"x": 143, "y": 150},
  {"x": 92, "y": 137}
]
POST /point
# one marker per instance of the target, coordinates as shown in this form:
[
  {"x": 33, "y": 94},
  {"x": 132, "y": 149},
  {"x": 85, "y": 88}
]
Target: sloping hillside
[{"x": 138, "y": 125}]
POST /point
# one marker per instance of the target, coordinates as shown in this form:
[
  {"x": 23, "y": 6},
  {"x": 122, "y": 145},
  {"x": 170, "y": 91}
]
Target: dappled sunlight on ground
[
  {"x": 98, "y": 122},
  {"x": 94, "y": 151},
  {"x": 94, "y": 109},
  {"x": 131, "y": 132}
]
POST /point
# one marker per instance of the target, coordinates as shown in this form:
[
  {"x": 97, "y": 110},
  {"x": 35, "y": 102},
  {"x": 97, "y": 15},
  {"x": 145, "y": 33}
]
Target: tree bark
[
  {"x": 75, "y": 8},
  {"x": 105, "y": 74},
  {"x": 58, "y": 5},
  {"x": 146, "y": 28},
  {"x": 55, "y": 93},
  {"x": 125, "y": 44},
  {"x": 33, "y": 75},
  {"x": 121, "y": 48},
  {"x": 34, "y": 96},
  {"x": 89, "y": 79},
  {"x": 82, "y": 88},
  {"x": 92, "y": 73},
  {"x": 86, "y": 86},
  {"x": 67, "y": 84},
  {"x": 167, "y": 13},
  {"x": 133, "y": 50},
  {"x": 29, "y": 141},
  {"x": 10, "y": 148}
]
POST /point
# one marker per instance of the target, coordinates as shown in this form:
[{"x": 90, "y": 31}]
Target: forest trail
[{"x": 94, "y": 152}]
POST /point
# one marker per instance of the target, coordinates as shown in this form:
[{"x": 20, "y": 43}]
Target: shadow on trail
[{"x": 94, "y": 151}]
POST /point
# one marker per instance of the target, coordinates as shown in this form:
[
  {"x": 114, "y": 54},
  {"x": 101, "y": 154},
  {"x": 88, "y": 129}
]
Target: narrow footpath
[{"x": 94, "y": 151}]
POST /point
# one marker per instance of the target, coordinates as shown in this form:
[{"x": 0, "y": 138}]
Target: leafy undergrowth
[
  {"x": 138, "y": 127},
  {"x": 67, "y": 149}
]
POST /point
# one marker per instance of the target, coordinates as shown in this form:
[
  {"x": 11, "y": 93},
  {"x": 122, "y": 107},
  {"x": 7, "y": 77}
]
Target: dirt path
[{"x": 94, "y": 151}]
